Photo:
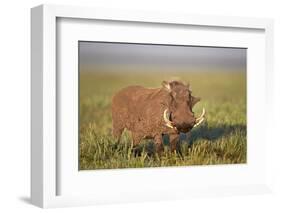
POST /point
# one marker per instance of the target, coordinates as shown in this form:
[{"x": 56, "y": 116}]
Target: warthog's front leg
[{"x": 174, "y": 141}]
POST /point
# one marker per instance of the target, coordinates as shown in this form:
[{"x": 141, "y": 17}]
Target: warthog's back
[
  {"x": 134, "y": 104},
  {"x": 133, "y": 94}
]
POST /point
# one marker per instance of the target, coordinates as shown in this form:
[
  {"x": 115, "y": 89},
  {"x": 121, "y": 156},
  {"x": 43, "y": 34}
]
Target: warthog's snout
[{"x": 186, "y": 126}]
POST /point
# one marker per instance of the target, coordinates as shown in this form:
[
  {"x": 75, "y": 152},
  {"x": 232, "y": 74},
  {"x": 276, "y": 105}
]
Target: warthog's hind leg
[
  {"x": 136, "y": 141},
  {"x": 117, "y": 132}
]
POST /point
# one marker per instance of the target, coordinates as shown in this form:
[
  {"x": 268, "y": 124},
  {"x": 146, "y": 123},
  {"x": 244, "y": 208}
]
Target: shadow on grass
[
  {"x": 213, "y": 133},
  {"x": 203, "y": 132}
]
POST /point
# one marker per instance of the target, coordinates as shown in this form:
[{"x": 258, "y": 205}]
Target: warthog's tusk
[
  {"x": 168, "y": 123},
  {"x": 200, "y": 119},
  {"x": 201, "y": 116},
  {"x": 199, "y": 122}
]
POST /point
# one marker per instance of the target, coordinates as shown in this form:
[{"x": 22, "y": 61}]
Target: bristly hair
[{"x": 178, "y": 82}]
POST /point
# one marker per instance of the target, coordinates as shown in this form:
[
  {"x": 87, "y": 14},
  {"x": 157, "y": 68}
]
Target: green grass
[{"x": 221, "y": 139}]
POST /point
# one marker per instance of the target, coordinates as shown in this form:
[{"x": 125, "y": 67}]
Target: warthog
[{"x": 149, "y": 113}]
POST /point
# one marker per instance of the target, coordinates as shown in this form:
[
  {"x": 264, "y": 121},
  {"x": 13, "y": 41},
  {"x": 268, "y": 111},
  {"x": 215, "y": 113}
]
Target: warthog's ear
[
  {"x": 166, "y": 85},
  {"x": 194, "y": 100},
  {"x": 187, "y": 84}
]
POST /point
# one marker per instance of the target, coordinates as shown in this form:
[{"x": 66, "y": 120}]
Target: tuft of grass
[{"x": 220, "y": 140}]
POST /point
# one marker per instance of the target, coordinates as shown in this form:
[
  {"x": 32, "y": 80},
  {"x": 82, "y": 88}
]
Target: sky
[{"x": 94, "y": 56}]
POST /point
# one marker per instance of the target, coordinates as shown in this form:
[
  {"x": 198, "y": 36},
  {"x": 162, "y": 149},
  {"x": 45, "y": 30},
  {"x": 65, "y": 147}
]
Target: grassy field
[{"x": 221, "y": 139}]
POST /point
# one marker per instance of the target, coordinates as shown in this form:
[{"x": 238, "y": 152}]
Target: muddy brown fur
[{"x": 140, "y": 110}]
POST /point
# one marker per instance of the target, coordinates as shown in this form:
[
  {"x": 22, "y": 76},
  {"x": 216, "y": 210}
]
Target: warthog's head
[{"x": 178, "y": 114}]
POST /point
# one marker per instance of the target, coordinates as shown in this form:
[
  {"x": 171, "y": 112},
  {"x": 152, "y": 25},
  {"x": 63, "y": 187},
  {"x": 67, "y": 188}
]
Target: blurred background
[
  {"x": 216, "y": 74},
  {"x": 113, "y": 57}
]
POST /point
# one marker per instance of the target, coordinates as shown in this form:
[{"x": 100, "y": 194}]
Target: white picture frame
[{"x": 45, "y": 171}]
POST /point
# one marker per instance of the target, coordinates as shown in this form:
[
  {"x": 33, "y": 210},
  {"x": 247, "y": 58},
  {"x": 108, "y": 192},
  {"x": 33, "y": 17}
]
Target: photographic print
[{"x": 159, "y": 105}]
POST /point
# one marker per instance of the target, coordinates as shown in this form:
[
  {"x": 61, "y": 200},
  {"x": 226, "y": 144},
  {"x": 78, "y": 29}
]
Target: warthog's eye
[{"x": 189, "y": 99}]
